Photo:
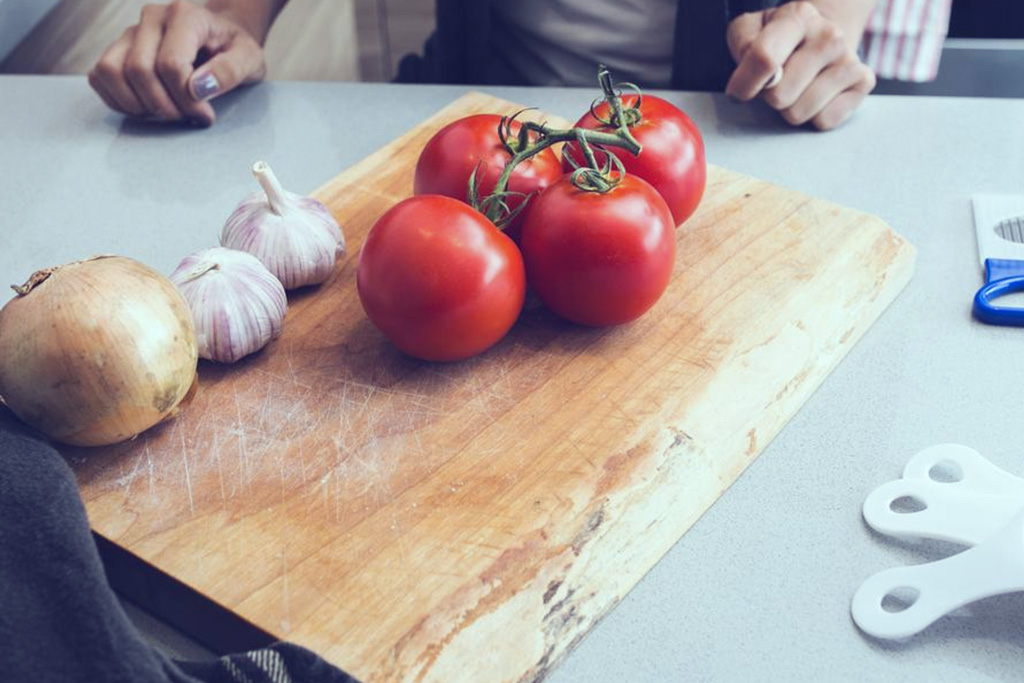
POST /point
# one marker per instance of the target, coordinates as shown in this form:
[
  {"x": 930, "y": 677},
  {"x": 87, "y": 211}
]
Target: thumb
[{"x": 241, "y": 63}]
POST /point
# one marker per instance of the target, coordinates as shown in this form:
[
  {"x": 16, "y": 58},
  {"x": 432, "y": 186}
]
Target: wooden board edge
[{"x": 567, "y": 586}]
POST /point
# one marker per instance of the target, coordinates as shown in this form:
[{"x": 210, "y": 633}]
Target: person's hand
[
  {"x": 178, "y": 57},
  {"x": 800, "y": 63}
]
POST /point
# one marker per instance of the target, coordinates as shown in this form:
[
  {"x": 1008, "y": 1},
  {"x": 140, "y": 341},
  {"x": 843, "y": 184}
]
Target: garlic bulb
[
  {"x": 295, "y": 237},
  {"x": 237, "y": 305}
]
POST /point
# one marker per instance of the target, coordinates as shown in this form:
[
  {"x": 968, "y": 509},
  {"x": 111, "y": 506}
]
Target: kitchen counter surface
[{"x": 760, "y": 588}]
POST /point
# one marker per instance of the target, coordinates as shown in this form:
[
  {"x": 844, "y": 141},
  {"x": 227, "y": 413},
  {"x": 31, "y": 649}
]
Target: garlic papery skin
[
  {"x": 237, "y": 305},
  {"x": 295, "y": 237}
]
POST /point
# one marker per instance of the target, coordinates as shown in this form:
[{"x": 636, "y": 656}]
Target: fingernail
[{"x": 204, "y": 87}]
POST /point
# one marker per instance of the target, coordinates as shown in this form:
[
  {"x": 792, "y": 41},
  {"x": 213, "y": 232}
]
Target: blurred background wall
[
  {"x": 346, "y": 40},
  {"x": 363, "y": 40}
]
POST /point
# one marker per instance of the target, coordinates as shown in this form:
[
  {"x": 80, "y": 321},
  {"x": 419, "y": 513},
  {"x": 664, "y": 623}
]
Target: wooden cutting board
[{"x": 471, "y": 521}]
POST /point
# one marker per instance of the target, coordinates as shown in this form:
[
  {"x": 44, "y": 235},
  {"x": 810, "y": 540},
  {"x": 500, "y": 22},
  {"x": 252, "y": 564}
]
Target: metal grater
[
  {"x": 1011, "y": 229},
  {"x": 999, "y": 225}
]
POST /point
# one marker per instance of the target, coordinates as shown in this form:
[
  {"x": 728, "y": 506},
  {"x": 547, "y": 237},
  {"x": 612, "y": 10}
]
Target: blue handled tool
[{"x": 999, "y": 224}]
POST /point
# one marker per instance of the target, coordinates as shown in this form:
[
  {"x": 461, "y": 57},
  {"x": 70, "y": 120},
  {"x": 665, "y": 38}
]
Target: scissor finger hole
[
  {"x": 900, "y": 599},
  {"x": 946, "y": 472},
  {"x": 907, "y": 505},
  {"x": 1012, "y": 299}
]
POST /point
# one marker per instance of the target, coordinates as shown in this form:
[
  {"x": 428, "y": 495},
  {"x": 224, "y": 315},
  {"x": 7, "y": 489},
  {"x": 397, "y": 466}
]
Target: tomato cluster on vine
[{"x": 444, "y": 274}]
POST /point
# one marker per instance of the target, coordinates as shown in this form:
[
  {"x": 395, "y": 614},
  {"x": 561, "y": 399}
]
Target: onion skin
[{"x": 96, "y": 352}]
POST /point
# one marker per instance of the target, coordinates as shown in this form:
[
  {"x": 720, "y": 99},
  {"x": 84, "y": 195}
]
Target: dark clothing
[
  {"x": 459, "y": 49},
  {"x": 60, "y": 621},
  {"x": 987, "y": 19}
]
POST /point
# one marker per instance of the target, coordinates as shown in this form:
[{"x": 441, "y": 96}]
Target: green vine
[{"x": 534, "y": 137}]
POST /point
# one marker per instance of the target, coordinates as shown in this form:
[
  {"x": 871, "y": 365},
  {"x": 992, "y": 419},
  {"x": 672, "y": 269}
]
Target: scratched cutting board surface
[{"x": 471, "y": 521}]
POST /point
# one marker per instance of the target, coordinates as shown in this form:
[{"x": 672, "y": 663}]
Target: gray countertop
[{"x": 759, "y": 589}]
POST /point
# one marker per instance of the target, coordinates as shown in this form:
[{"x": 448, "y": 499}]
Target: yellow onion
[{"x": 95, "y": 352}]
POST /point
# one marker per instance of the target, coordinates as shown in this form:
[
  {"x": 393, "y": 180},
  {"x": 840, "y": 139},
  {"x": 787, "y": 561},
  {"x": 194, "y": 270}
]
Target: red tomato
[
  {"x": 439, "y": 279},
  {"x": 599, "y": 259},
  {"x": 672, "y": 159},
  {"x": 451, "y": 155}
]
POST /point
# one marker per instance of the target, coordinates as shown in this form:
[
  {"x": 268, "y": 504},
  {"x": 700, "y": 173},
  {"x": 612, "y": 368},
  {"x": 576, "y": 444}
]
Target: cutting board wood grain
[{"x": 471, "y": 521}]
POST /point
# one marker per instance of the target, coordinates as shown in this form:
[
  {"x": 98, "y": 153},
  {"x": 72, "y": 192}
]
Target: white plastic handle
[
  {"x": 962, "y": 467},
  {"x": 934, "y": 589},
  {"x": 949, "y": 493}
]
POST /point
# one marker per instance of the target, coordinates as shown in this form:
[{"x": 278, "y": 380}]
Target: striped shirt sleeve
[{"x": 903, "y": 38}]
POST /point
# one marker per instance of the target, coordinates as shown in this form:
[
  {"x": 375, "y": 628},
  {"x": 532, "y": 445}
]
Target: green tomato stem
[
  {"x": 551, "y": 136},
  {"x": 543, "y": 136}
]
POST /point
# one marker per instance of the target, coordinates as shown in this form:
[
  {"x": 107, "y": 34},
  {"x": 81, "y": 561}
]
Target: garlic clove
[
  {"x": 237, "y": 304},
  {"x": 295, "y": 237}
]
